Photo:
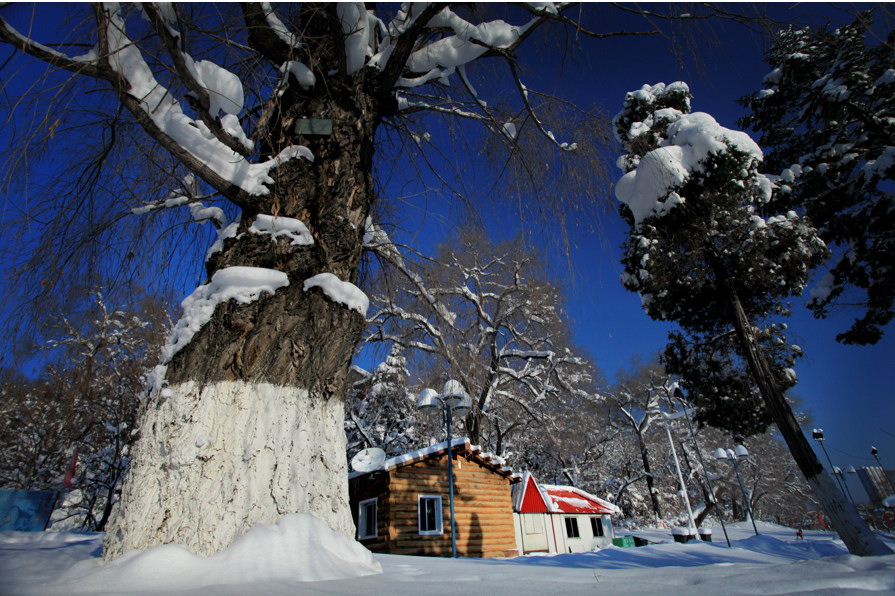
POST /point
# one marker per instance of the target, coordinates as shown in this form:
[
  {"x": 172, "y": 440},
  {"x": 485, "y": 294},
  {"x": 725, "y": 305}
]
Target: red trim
[{"x": 532, "y": 500}]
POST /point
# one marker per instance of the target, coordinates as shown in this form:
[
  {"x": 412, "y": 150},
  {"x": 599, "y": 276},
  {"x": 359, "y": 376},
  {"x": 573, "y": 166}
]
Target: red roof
[
  {"x": 532, "y": 499},
  {"x": 567, "y": 499}
]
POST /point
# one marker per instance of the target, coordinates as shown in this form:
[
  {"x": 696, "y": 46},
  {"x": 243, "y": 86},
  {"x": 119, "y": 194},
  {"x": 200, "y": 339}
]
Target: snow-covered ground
[{"x": 281, "y": 559}]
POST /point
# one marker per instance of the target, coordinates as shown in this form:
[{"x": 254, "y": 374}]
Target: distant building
[
  {"x": 560, "y": 519},
  {"x": 877, "y": 483}
]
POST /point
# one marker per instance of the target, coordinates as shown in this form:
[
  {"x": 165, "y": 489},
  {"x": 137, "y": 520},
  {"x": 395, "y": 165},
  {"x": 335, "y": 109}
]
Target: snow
[
  {"x": 275, "y": 561},
  {"x": 229, "y": 231},
  {"x": 339, "y": 291},
  {"x": 887, "y": 78},
  {"x": 275, "y": 227},
  {"x": 302, "y": 74},
  {"x": 243, "y": 284},
  {"x": 274, "y": 22},
  {"x": 355, "y": 26},
  {"x": 691, "y": 139},
  {"x": 166, "y": 113},
  {"x": 224, "y": 88},
  {"x": 419, "y": 454},
  {"x": 584, "y": 500},
  {"x": 199, "y": 212},
  {"x": 469, "y": 42}
]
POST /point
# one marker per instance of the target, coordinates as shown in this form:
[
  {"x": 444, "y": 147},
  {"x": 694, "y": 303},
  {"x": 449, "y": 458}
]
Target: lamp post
[
  {"x": 837, "y": 471},
  {"x": 818, "y": 435},
  {"x": 452, "y": 399},
  {"x": 732, "y": 455},
  {"x": 677, "y": 464},
  {"x": 679, "y": 394}
]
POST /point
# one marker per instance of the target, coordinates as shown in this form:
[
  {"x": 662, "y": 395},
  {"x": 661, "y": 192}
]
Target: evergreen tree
[
  {"x": 381, "y": 408},
  {"x": 705, "y": 251},
  {"x": 827, "y": 118}
]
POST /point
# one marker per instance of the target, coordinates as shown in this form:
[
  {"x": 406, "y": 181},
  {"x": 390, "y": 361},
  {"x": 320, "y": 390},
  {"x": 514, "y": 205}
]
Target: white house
[{"x": 559, "y": 519}]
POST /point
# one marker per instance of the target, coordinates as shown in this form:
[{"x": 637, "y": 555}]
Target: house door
[{"x": 534, "y": 533}]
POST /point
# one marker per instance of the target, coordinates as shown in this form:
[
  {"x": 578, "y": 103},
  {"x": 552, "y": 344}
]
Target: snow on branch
[
  {"x": 213, "y": 89},
  {"x": 279, "y": 29},
  {"x": 194, "y": 142},
  {"x": 523, "y": 93},
  {"x": 242, "y": 284}
]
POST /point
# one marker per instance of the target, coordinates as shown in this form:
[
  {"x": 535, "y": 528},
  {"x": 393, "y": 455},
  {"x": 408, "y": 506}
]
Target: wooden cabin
[
  {"x": 404, "y": 507},
  {"x": 560, "y": 519}
]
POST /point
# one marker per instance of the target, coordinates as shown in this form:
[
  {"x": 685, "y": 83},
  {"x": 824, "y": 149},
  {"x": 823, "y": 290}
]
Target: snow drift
[{"x": 298, "y": 547}]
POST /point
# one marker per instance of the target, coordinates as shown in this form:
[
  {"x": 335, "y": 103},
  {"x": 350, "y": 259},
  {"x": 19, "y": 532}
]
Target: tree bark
[
  {"x": 845, "y": 518},
  {"x": 654, "y": 498},
  {"x": 250, "y": 424}
]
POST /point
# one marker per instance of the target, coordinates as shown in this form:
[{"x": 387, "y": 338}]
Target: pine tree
[
  {"x": 827, "y": 118},
  {"x": 381, "y": 408},
  {"x": 705, "y": 252}
]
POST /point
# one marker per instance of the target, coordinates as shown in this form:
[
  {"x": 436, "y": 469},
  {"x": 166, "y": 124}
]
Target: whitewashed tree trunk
[
  {"x": 845, "y": 518},
  {"x": 227, "y": 456}
]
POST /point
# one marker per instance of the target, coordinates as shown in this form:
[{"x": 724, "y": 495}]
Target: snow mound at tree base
[{"x": 299, "y": 547}]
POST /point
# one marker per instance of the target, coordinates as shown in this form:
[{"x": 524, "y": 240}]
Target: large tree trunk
[
  {"x": 250, "y": 425},
  {"x": 858, "y": 538}
]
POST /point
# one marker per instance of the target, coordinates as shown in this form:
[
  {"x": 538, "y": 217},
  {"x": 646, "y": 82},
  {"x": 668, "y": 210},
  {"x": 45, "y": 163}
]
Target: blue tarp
[{"x": 26, "y": 510}]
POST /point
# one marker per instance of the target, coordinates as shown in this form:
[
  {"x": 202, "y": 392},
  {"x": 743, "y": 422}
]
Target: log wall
[{"x": 482, "y": 504}]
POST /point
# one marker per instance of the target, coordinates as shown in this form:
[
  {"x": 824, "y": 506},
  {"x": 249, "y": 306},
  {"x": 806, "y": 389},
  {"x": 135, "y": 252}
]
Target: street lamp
[
  {"x": 677, "y": 464},
  {"x": 680, "y": 395},
  {"x": 452, "y": 399},
  {"x": 837, "y": 471},
  {"x": 818, "y": 435},
  {"x": 732, "y": 455}
]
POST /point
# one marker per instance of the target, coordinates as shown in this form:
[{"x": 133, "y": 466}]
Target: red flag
[{"x": 67, "y": 483}]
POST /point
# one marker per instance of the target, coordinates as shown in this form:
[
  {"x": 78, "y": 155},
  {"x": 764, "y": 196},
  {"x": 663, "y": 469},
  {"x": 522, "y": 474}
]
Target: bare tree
[
  {"x": 85, "y": 403},
  {"x": 637, "y": 402},
  {"x": 485, "y": 315}
]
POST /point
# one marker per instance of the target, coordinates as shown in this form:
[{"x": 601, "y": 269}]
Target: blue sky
[{"x": 844, "y": 388}]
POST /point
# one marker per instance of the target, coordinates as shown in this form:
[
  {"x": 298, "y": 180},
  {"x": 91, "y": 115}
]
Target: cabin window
[
  {"x": 366, "y": 518},
  {"x": 596, "y": 524},
  {"x": 430, "y": 515},
  {"x": 572, "y": 528}
]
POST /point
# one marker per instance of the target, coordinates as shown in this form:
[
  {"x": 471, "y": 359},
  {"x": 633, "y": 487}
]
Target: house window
[
  {"x": 366, "y": 519},
  {"x": 596, "y": 525},
  {"x": 572, "y": 528},
  {"x": 430, "y": 515}
]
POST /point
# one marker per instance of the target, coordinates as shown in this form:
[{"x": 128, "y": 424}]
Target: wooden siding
[
  {"x": 370, "y": 486},
  {"x": 482, "y": 505}
]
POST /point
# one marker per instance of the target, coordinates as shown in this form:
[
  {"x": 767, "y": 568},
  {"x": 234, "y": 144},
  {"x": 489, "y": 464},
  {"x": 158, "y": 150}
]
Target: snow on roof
[
  {"x": 568, "y": 499},
  {"x": 490, "y": 460}
]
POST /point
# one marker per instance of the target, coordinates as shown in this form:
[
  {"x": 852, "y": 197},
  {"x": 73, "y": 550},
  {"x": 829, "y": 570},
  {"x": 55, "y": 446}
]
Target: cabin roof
[{"x": 461, "y": 446}]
